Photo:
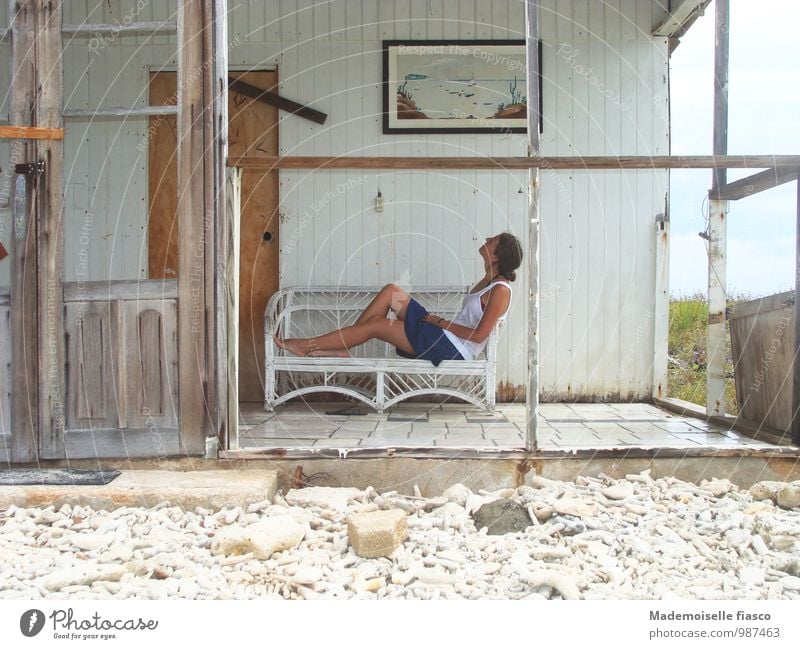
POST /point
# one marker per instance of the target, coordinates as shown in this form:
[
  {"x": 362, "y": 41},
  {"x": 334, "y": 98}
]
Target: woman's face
[{"x": 489, "y": 247}]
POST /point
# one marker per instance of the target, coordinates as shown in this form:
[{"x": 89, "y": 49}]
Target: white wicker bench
[{"x": 375, "y": 374}]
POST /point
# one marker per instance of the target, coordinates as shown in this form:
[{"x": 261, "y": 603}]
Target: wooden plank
[
  {"x": 718, "y": 224},
  {"x": 50, "y": 234},
  {"x": 253, "y": 128},
  {"x": 30, "y": 133},
  {"x": 134, "y": 289},
  {"x": 274, "y": 99},
  {"x": 162, "y": 224},
  {"x": 506, "y": 163},
  {"x": 227, "y": 414},
  {"x": 210, "y": 222},
  {"x": 720, "y": 125},
  {"x": 24, "y": 304},
  {"x": 90, "y": 29},
  {"x": 532, "y": 68},
  {"x": 123, "y": 443},
  {"x": 233, "y": 198},
  {"x": 754, "y": 184},
  {"x": 192, "y": 305},
  {"x": 762, "y": 305},
  {"x": 120, "y": 111},
  {"x": 763, "y": 353}
]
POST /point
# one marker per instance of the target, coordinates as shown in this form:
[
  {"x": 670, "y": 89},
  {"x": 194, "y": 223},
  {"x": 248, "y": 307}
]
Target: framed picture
[{"x": 456, "y": 87}]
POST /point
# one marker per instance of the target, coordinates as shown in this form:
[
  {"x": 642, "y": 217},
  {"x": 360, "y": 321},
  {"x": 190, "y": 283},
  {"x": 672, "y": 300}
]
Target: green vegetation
[{"x": 687, "y": 352}]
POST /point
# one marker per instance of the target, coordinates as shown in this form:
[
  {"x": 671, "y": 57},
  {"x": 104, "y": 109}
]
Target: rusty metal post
[{"x": 661, "y": 310}]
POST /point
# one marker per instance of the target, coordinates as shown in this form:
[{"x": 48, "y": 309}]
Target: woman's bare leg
[
  {"x": 391, "y": 331},
  {"x": 391, "y": 297}
]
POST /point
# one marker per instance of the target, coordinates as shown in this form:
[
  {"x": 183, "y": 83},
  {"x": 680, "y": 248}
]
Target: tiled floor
[{"x": 455, "y": 425}]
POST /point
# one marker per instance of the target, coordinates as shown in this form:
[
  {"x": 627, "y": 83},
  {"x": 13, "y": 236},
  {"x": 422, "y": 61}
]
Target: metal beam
[
  {"x": 754, "y": 184},
  {"x": 533, "y": 71}
]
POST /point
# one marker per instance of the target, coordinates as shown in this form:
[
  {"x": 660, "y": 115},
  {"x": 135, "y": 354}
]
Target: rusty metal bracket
[{"x": 29, "y": 168}]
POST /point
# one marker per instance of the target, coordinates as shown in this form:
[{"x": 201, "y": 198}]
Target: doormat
[{"x": 75, "y": 477}]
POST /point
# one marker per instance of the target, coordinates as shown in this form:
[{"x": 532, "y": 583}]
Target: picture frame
[{"x": 456, "y": 86}]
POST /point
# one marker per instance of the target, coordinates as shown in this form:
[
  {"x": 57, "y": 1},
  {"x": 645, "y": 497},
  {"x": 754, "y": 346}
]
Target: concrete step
[{"x": 212, "y": 489}]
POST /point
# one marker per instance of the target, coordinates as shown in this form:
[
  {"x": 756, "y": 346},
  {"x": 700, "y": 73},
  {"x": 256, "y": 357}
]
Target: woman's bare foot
[{"x": 294, "y": 345}]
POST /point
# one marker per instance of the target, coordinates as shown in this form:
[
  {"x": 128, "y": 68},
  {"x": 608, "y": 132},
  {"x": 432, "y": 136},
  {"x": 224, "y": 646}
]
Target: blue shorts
[{"x": 429, "y": 341}]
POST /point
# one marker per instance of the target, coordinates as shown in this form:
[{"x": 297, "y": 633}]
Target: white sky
[{"x": 764, "y": 95}]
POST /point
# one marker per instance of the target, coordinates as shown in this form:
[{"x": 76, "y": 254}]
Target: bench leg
[{"x": 380, "y": 397}]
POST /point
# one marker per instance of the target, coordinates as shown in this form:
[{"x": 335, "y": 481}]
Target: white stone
[
  {"x": 619, "y": 491},
  {"x": 718, "y": 487},
  {"x": 458, "y": 494},
  {"x": 263, "y": 539},
  {"x": 789, "y": 496},
  {"x": 335, "y": 498},
  {"x": 574, "y": 507},
  {"x": 308, "y": 575},
  {"x": 752, "y": 576},
  {"x": 766, "y": 490},
  {"x": 790, "y": 582}
]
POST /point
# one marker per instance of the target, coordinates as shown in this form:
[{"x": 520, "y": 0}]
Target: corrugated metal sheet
[{"x": 605, "y": 92}]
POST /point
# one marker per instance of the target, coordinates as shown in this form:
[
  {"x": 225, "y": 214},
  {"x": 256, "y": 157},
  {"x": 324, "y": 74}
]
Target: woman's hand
[{"x": 435, "y": 320}]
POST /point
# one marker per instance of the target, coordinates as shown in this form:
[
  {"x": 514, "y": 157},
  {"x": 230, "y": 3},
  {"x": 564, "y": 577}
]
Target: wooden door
[{"x": 252, "y": 131}]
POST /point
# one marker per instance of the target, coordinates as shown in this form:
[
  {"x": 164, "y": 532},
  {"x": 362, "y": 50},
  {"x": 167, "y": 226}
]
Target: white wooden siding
[{"x": 605, "y": 92}]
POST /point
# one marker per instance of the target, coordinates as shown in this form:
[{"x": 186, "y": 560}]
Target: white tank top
[{"x": 470, "y": 316}]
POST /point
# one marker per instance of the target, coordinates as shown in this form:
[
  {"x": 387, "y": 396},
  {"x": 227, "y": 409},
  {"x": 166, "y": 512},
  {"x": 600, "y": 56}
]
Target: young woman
[{"x": 418, "y": 334}]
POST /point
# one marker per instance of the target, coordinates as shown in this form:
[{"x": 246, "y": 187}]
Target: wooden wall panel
[
  {"x": 122, "y": 364},
  {"x": 150, "y": 363},
  {"x": 91, "y": 339}
]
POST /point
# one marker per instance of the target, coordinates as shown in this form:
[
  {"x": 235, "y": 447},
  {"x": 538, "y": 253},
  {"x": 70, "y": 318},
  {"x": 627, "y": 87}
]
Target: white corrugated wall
[{"x": 605, "y": 92}]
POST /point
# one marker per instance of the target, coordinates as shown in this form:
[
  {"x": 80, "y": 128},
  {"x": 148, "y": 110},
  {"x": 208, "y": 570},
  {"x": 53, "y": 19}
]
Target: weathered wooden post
[
  {"x": 533, "y": 67},
  {"x": 796, "y": 362},
  {"x": 37, "y": 331},
  {"x": 202, "y": 125},
  {"x": 717, "y": 225}
]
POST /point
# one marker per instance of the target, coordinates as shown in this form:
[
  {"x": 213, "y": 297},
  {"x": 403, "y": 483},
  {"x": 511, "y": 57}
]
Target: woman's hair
[{"x": 509, "y": 255}]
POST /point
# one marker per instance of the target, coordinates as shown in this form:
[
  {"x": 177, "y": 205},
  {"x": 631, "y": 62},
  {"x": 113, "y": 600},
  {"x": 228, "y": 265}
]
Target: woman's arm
[{"x": 495, "y": 307}]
